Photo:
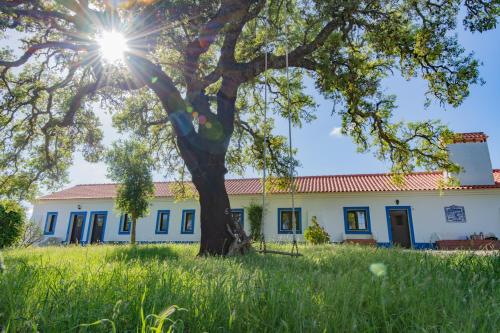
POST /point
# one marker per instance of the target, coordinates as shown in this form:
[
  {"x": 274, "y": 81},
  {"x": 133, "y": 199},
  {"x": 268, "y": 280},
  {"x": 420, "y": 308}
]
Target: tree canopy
[
  {"x": 193, "y": 72},
  {"x": 347, "y": 46}
]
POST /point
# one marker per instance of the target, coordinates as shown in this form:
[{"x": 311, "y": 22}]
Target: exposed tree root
[{"x": 242, "y": 244}]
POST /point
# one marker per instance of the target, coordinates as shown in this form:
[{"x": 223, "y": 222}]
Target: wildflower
[{"x": 378, "y": 269}]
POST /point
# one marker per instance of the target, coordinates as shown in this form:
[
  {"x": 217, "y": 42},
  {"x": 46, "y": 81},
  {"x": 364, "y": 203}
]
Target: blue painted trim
[
  {"x": 298, "y": 225},
  {"x": 184, "y": 211},
  {"x": 45, "y": 232},
  {"x": 120, "y": 232},
  {"x": 70, "y": 223},
  {"x": 416, "y": 246},
  {"x": 368, "y": 230},
  {"x": 91, "y": 223},
  {"x": 424, "y": 246},
  {"x": 155, "y": 242},
  {"x": 157, "y": 228},
  {"x": 410, "y": 222},
  {"x": 242, "y": 211}
]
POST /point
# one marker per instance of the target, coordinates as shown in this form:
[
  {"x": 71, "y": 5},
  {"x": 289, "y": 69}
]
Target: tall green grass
[{"x": 330, "y": 288}]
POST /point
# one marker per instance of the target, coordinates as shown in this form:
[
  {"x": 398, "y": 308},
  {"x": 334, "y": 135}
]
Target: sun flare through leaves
[{"x": 112, "y": 46}]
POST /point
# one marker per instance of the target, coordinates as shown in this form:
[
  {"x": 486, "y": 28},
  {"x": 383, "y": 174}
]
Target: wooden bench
[
  {"x": 369, "y": 242},
  {"x": 475, "y": 244}
]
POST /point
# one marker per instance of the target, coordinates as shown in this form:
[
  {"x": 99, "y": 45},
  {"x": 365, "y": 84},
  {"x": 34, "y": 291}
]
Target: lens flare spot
[
  {"x": 122, "y": 4},
  {"x": 202, "y": 119},
  {"x": 154, "y": 79},
  {"x": 189, "y": 109},
  {"x": 378, "y": 269},
  {"x": 214, "y": 131},
  {"x": 147, "y": 2}
]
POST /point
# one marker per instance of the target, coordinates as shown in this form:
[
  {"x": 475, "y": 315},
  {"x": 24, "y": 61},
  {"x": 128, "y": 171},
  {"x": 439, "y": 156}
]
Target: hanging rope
[
  {"x": 290, "y": 146},
  {"x": 264, "y": 143},
  {"x": 295, "y": 249}
]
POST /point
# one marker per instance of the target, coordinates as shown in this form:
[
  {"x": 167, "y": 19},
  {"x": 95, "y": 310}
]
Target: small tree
[
  {"x": 130, "y": 164},
  {"x": 255, "y": 217},
  {"x": 32, "y": 234},
  {"x": 12, "y": 217},
  {"x": 316, "y": 234}
]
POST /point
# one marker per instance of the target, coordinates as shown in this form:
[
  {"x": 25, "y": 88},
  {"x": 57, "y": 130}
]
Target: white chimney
[{"x": 470, "y": 151}]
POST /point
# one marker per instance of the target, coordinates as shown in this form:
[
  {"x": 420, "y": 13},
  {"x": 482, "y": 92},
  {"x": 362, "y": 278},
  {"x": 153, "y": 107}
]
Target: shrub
[
  {"x": 12, "y": 218},
  {"x": 255, "y": 218},
  {"x": 316, "y": 234}
]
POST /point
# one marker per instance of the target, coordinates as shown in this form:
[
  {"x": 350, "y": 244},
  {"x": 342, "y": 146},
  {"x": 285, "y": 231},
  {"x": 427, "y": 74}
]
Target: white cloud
[{"x": 336, "y": 132}]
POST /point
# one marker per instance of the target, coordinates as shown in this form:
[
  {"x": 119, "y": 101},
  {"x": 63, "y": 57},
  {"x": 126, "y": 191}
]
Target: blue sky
[{"x": 321, "y": 152}]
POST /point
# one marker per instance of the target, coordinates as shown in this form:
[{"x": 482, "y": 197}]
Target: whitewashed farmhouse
[{"x": 363, "y": 208}]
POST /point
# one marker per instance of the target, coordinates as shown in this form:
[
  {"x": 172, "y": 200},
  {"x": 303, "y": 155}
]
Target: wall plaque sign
[{"x": 455, "y": 214}]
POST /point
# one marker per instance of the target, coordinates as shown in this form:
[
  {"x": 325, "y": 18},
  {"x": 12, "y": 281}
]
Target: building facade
[{"x": 349, "y": 207}]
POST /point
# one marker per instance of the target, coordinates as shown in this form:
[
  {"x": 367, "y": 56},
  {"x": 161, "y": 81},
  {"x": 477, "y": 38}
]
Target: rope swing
[
  {"x": 295, "y": 250},
  {"x": 264, "y": 142}
]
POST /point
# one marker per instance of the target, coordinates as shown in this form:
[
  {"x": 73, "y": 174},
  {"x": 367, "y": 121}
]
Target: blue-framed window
[
  {"x": 357, "y": 220},
  {"x": 162, "y": 221},
  {"x": 238, "y": 215},
  {"x": 50, "y": 223},
  {"x": 187, "y": 226},
  {"x": 285, "y": 223},
  {"x": 125, "y": 224}
]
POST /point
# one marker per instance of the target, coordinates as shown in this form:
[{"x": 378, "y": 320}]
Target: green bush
[
  {"x": 255, "y": 218},
  {"x": 316, "y": 234},
  {"x": 12, "y": 219}
]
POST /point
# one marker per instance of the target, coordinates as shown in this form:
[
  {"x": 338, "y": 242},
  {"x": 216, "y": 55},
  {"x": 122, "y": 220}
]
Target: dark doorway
[
  {"x": 98, "y": 223},
  {"x": 400, "y": 228},
  {"x": 77, "y": 221}
]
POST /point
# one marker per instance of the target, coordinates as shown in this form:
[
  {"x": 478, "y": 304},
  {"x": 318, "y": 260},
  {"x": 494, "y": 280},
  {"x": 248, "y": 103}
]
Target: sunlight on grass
[{"x": 330, "y": 288}]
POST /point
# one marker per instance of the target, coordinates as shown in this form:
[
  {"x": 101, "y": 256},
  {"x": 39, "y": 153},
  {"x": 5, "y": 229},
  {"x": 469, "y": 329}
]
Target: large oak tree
[{"x": 192, "y": 77}]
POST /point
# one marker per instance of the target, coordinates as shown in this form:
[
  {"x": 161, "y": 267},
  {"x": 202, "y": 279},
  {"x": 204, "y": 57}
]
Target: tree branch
[
  {"x": 226, "y": 59},
  {"x": 11, "y": 7},
  {"x": 36, "y": 47},
  {"x": 207, "y": 35},
  {"x": 155, "y": 78},
  {"x": 297, "y": 57}
]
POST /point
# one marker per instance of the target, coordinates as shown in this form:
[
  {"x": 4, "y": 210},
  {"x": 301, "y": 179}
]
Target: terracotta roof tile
[
  {"x": 418, "y": 181},
  {"x": 470, "y": 137}
]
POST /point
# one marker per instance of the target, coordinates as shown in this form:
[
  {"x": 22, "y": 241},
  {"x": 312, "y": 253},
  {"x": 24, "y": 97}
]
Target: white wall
[
  {"x": 482, "y": 208},
  {"x": 145, "y": 226},
  {"x": 474, "y": 158}
]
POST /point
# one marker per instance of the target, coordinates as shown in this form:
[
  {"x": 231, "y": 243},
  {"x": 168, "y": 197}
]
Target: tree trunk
[
  {"x": 219, "y": 234},
  {"x": 202, "y": 149},
  {"x": 132, "y": 231}
]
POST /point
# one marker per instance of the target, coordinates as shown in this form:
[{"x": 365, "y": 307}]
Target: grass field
[{"x": 330, "y": 288}]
